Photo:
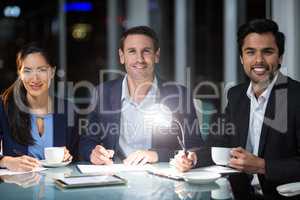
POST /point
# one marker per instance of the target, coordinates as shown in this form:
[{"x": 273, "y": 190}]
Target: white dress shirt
[{"x": 257, "y": 113}]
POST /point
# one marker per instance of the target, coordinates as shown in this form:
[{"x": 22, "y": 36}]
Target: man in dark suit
[
  {"x": 264, "y": 112},
  {"x": 116, "y": 129}
]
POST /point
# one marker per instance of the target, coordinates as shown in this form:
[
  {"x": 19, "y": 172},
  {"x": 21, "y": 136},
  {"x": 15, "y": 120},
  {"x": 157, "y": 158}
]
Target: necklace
[{"x": 40, "y": 125}]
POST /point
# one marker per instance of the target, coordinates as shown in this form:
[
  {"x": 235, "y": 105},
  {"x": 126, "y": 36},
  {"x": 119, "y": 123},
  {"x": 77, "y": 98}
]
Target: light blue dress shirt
[
  {"x": 41, "y": 142},
  {"x": 134, "y": 135}
]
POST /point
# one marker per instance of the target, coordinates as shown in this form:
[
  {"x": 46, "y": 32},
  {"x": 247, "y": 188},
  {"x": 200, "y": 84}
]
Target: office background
[{"x": 198, "y": 37}]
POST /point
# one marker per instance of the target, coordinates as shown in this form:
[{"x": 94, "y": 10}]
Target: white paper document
[
  {"x": 172, "y": 173},
  {"x": 8, "y": 172},
  {"x": 114, "y": 168},
  {"x": 169, "y": 172}
]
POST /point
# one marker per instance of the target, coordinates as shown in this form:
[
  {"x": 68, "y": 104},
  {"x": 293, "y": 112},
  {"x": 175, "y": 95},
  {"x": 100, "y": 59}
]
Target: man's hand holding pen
[
  {"x": 101, "y": 156},
  {"x": 185, "y": 159}
]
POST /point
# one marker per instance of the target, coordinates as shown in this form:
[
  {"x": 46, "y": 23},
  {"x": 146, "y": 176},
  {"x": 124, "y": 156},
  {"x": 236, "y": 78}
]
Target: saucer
[
  {"x": 290, "y": 189},
  {"x": 61, "y": 164},
  {"x": 200, "y": 177}
]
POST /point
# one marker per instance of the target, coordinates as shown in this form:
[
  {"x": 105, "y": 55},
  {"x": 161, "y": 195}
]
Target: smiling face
[
  {"x": 36, "y": 74},
  {"x": 260, "y": 57},
  {"x": 139, "y": 57}
]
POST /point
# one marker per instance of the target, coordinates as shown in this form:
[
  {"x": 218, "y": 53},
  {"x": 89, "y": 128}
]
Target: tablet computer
[{"x": 89, "y": 181}]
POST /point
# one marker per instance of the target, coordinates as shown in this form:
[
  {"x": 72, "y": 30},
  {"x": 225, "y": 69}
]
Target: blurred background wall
[{"x": 197, "y": 37}]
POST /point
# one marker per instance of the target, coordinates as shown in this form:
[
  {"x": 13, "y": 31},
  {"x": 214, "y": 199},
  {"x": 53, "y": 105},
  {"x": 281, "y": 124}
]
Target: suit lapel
[
  {"x": 279, "y": 98},
  {"x": 244, "y": 116},
  {"x": 115, "y": 100},
  {"x": 161, "y": 92},
  {"x": 269, "y": 113}
]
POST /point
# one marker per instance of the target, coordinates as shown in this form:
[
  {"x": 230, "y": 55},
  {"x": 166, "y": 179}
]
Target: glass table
[{"x": 140, "y": 185}]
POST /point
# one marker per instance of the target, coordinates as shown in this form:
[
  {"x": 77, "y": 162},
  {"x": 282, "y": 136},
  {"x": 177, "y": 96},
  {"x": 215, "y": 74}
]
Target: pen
[
  {"x": 195, "y": 149},
  {"x": 174, "y": 177},
  {"x": 182, "y": 145}
]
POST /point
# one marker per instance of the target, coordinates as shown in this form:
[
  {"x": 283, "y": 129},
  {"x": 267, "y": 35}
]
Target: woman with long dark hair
[{"x": 29, "y": 116}]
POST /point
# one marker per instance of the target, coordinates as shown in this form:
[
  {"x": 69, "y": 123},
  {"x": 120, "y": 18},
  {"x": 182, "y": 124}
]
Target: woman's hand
[{"x": 21, "y": 163}]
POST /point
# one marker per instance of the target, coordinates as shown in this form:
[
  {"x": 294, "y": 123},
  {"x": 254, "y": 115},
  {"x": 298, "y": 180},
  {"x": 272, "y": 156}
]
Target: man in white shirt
[
  {"x": 120, "y": 106},
  {"x": 264, "y": 112}
]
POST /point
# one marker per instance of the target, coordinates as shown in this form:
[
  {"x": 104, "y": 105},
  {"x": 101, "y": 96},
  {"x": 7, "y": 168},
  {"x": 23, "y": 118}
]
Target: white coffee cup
[
  {"x": 54, "y": 154},
  {"x": 220, "y": 155}
]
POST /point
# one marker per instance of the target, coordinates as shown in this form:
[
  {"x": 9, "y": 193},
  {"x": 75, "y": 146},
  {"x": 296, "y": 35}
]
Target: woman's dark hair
[
  {"x": 261, "y": 26},
  {"x": 15, "y": 102}
]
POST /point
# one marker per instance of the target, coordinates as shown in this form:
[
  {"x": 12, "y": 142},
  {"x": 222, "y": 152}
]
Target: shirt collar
[
  {"x": 125, "y": 90},
  {"x": 265, "y": 95}
]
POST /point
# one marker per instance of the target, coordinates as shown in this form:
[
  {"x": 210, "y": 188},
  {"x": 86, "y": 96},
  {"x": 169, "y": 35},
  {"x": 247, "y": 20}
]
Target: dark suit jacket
[
  {"x": 280, "y": 136},
  {"x": 103, "y": 126},
  {"x": 64, "y": 135}
]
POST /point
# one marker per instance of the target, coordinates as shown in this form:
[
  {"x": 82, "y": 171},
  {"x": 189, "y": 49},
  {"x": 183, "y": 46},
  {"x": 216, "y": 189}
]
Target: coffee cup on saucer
[
  {"x": 221, "y": 155},
  {"x": 54, "y": 155}
]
